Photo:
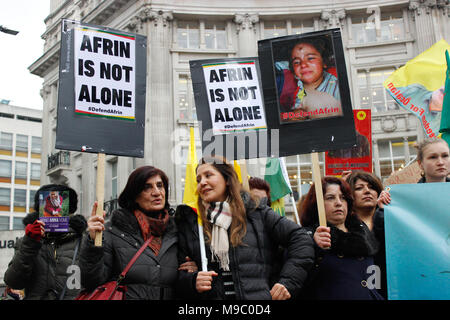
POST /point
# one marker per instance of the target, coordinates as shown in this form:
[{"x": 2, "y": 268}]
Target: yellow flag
[
  {"x": 237, "y": 168},
  {"x": 190, "y": 195}
]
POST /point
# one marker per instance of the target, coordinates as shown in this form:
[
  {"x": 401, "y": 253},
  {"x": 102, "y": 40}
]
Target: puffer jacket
[
  {"x": 251, "y": 263},
  {"x": 42, "y": 268},
  {"x": 150, "y": 278}
]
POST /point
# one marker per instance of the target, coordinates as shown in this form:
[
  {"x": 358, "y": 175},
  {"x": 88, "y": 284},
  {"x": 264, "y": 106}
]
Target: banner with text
[
  {"x": 234, "y": 97},
  {"x": 418, "y": 86}
]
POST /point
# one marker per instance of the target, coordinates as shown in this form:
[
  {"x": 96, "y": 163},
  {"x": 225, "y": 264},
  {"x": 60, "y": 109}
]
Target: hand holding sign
[{"x": 95, "y": 222}]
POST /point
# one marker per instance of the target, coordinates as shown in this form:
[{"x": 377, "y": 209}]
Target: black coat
[
  {"x": 150, "y": 278},
  {"x": 41, "y": 268},
  {"x": 341, "y": 272},
  {"x": 252, "y": 263}
]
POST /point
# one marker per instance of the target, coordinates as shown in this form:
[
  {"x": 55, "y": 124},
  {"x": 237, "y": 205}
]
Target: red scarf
[{"x": 152, "y": 227}]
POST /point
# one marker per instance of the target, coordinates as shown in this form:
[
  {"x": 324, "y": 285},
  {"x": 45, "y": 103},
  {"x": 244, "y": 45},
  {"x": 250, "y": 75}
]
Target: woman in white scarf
[{"x": 225, "y": 222}]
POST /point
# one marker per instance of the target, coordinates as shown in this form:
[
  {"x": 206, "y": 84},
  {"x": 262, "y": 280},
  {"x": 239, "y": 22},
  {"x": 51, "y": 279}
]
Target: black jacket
[
  {"x": 41, "y": 268},
  {"x": 150, "y": 278},
  {"x": 252, "y": 262},
  {"x": 344, "y": 271}
]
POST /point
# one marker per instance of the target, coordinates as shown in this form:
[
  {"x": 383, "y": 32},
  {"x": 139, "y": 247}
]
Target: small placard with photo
[{"x": 54, "y": 210}]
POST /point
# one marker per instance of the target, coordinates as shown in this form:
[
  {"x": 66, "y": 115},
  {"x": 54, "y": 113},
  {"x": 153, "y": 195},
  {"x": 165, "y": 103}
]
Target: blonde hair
[
  {"x": 238, "y": 227},
  {"x": 422, "y": 145}
]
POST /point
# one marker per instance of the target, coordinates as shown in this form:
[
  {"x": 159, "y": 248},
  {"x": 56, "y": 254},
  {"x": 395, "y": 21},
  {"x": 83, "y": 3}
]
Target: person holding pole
[
  {"x": 44, "y": 262},
  {"x": 144, "y": 213},
  {"x": 344, "y": 248},
  {"x": 241, "y": 241}
]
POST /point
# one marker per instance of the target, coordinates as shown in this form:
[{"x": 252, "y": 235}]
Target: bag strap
[
  {"x": 63, "y": 293},
  {"x": 133, "y": 260}
]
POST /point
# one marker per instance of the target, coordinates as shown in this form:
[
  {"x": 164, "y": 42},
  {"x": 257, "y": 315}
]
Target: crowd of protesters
[{"x": 250, "y": 252}]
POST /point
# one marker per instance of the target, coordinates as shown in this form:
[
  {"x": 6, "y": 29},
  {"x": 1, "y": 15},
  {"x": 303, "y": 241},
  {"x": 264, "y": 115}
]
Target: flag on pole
[
  {"x": 237, "y": 168},
  {"x": 278, "y": 179},
  {"x": 445, "y": 116},
  {"x": 190, "y": 195}
]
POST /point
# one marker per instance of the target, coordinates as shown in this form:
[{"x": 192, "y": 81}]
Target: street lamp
[{"x": 8, "y": 31}]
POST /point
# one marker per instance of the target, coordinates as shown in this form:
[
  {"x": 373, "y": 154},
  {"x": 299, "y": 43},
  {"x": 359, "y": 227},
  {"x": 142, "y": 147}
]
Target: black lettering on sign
[
  {"x": 107, "y": 96},
  {"x": 108, "y": 47}
]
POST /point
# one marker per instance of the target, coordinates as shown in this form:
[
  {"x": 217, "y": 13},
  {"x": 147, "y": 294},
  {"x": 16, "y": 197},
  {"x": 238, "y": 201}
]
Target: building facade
[
  {"x": 378, "y": 37},
  {"x": 20, "y": 163}
]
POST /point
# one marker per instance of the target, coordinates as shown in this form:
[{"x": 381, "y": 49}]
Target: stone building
[{"x": 378, "y": 37}]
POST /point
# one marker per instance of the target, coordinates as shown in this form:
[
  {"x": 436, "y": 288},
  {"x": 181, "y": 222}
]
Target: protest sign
[
  {"x": 101, "y": 98},
  {"x": 358, "y": 157},
  {"x": 418, "y": 86},
  {"x": 54, "y": 210},
  {"x": 417, "y": 232},
  {"x": 409, "y": 174},
  {"x": 310, "y": 107},
  {"x": 230, "y": 106}
]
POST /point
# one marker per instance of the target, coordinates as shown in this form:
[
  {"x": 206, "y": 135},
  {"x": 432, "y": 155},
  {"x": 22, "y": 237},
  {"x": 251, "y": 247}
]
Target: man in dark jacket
[{"x": 42, "y": 263}]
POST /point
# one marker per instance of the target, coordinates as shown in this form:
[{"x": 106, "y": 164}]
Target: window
[
  {"x": 299, "y": 27},
  {"x": 5, "y": 195},
  {"x": 188, "y": 35},
  {"x": 35, "y": 171},
  {"x": 21, "y": 170},
  {"x": 274, "y": 29},
  {"x": 18, "y": 224},
  {"x": 372, "y": 93},
  {"x": 114, "y": 180},
  {"x": 6, "y": 140},
  {"x": 392, "y": 155},
  {"x": 5, "y": 168},
  {"x": 391, "y": 28},
  {"x": 21, "y": 143},
  {"x": 36, "y": 144},
  {"x": 31, "y": 199},
  {"x": 4, "y": 223},
  {"x": 186, "y": 105},
  {"x": 215, "y": 36},
  {"x": 20, "y": 198}
]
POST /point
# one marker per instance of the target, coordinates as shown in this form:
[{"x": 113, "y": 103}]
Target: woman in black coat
[
  {"x": 241, "y": 239},
  {"x": 345, "y": 249},
  {"x": 42, "y": 260},
  {"x": 144, "y": 214}
]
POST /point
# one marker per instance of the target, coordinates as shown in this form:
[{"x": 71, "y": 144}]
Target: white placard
[
  {"x": 104, "y": 73},
  {"x": 234, "y": 97}
]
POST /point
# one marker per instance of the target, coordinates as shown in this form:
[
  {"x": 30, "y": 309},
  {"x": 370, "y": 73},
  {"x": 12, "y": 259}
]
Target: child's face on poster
[
  {"x": 54, "y": 195},
  {"x": 307, "y": 64}
]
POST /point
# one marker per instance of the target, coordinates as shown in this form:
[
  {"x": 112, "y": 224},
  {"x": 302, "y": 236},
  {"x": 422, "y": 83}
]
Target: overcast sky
[{"x": 18, "y": 52}]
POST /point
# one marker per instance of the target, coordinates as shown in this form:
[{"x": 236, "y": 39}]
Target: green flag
[
  {"x": 278, "y": 179},
  {"x": 445, "y": 117}
]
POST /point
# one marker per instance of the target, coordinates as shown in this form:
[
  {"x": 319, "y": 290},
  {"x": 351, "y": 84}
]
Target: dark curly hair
[
  {"x": 308, "y": 208},
  {"x": 322, "y": 45}
]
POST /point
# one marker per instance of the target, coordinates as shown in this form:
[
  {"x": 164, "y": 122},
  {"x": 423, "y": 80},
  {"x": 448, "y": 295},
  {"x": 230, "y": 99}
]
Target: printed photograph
[
  {"x": 54, "y": 204},
  {"x": 306, "y": 78}
]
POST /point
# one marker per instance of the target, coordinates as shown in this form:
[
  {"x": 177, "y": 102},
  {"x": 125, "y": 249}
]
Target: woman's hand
[
  {"x": 279, "y": 292},
  {"x": 189, "y": 266},
  {"x": 322, "y": 237},
  {"x": 95, "y": 223},
  {"x": 204, "y": 281},
  {"x": 384, "y": 198}
]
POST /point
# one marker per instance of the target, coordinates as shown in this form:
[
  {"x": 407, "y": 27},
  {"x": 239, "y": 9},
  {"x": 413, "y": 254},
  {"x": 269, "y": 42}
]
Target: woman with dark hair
[
  {"x": 41, "y": 258},
  {"x": 241, "y": 239},
  {"x": 366, "y": 188},
  {"x": 344, "y": 249},
  {"x": 144, "y": 213}
]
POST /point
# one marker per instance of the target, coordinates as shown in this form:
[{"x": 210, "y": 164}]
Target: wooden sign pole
[
  {"x": 244, "y": 174},
  {"x": 100, "y": 193},
  {"x": 318, "y": 186}
]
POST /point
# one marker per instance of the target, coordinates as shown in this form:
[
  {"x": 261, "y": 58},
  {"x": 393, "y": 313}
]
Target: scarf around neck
[
  {"x": 219, "y": 215},
  {"x": 152, "y": 227}
]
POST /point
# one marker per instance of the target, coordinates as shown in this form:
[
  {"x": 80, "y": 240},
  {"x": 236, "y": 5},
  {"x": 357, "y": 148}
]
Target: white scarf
[{"x": 219, "y": 214}]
